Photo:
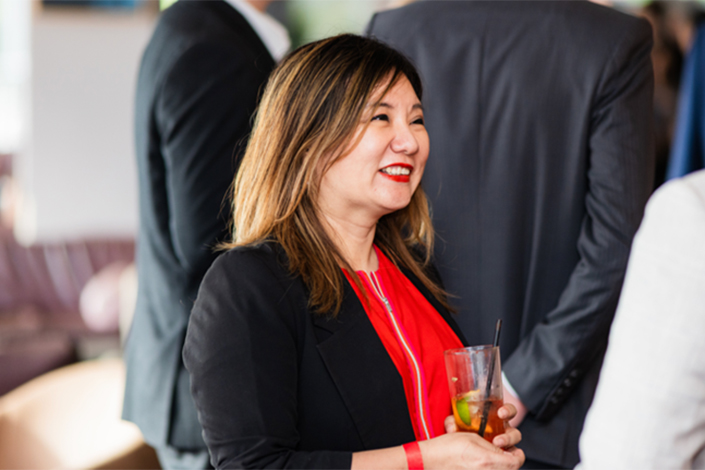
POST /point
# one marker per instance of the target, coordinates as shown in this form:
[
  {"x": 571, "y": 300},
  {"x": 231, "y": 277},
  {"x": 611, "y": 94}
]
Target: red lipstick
[{"x": 399, "y": 172}]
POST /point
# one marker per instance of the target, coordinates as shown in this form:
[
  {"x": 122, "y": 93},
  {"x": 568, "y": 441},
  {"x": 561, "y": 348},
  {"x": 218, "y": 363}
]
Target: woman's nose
[{"x": 405, "y": 141}]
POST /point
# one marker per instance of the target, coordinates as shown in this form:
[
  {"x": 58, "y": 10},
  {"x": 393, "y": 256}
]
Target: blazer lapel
[{"x": 364, "y": 374}]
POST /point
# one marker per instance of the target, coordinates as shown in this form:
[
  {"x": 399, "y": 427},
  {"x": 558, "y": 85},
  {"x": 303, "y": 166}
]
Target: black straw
[{"x": 486, "y": 408}]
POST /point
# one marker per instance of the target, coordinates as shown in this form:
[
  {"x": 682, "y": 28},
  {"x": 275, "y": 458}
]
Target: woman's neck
[{"x": 354, "y": 240}]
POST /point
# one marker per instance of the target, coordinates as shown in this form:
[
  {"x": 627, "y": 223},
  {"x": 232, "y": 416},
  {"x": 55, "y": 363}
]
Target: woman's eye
[
  {"x": 380, "y": 117},
  {"x": 419, "y": 121}
]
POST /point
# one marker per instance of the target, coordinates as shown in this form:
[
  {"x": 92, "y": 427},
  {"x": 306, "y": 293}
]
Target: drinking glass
[{"x": 469, "y": 370}]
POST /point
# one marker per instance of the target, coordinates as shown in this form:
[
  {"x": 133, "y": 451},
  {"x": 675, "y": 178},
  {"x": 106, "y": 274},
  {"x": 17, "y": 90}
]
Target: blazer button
[{"x": 574, "y": 373}]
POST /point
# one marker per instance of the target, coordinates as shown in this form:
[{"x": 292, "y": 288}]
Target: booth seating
[
  {"x": 69, "y": 418},
  {"x": 28, "y": 354},
  {"x": 59, "y": 303}
]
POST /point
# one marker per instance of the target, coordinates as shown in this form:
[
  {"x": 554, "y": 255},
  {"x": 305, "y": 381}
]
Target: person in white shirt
[
  {"x": 649, "y": 408},
  {"x": 197, "y": 89}
]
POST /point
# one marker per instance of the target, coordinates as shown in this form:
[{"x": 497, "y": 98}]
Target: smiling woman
[
  {"x": 316, "y": 341},
  {"x": 378, "y": 175},
  {"x": 316, "y": 110}
]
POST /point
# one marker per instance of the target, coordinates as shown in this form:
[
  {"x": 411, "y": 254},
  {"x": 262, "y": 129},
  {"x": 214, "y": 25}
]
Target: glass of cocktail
[{"x": 475, "y": 400}]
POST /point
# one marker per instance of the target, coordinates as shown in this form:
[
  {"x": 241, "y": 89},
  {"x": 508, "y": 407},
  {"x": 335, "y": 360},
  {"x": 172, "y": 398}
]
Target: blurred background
[{"x": 68, "y": 189}]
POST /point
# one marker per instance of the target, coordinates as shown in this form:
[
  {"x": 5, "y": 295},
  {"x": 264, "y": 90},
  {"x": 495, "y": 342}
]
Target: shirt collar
[{"x": 272, "y": 33}]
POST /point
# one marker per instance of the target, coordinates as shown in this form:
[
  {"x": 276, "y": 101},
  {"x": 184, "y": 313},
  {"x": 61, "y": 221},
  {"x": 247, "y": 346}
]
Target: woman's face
[{"x": 380, "y": 174}]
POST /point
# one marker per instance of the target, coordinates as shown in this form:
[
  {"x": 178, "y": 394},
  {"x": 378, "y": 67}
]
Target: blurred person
[
  {"x": 540, "y": 119},
  {"x": 667, "y": 60},
  {"x": 317, "y": 340},
  {"x": 683, "y": 19},
  {"x": 688, "y": 150},
  {"x": 653, "y": 378},
  {"x": 197, "y": 89}
]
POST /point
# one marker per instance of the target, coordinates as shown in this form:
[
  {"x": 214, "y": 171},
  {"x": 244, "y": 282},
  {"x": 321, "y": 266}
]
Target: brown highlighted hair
[{"x": 310, "y": 111}]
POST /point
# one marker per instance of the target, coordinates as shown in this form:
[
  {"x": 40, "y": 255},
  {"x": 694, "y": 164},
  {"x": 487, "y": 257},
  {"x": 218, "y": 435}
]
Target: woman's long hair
[{"x": 309, "y": 113}]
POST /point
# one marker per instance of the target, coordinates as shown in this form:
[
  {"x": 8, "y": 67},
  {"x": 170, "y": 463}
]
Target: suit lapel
[{"x": 364, "y": 374}]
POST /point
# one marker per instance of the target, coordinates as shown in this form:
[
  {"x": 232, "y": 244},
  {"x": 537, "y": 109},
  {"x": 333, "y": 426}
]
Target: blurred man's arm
[
  {"x": 204, "y": 111},
  {"x": 551, "y": 360}
]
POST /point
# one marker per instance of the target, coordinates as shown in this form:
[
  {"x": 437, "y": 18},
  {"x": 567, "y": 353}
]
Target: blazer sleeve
[
  {"x": 203, "y": 112},
  {"x": 549, "y": 362},
  {"x": 241, "y": 350},
  {"x": 653, "y": 378}
]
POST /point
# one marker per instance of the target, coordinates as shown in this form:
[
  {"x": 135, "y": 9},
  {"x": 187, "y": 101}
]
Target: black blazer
[
  {"x": 539, "y": 115},
  {"x": 197, "y": 88},
  {"x": 277, "y": 386}
]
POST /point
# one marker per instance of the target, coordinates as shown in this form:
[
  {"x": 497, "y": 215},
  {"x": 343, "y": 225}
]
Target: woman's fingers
[
  {"x": 507, "y": 411},
  {"x": 517, "y": 454},
  {"x": 483, "y": 455},
  {"x": 450, "y": 425},
  {"x": 511, "y": 437},
  {"x": 470, "y": 451}
]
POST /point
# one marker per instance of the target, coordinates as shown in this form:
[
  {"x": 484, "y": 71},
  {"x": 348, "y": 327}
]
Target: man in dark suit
[
  {"x": 197, "y": 89},
  {"x": 541, "y": 162}
]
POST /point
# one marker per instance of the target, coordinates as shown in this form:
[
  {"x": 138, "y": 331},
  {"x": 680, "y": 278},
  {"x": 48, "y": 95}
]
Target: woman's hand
[
  {"x": 511, "y": 435},
  {"x": 509, "y": 438},
  {"x": 466, "y": 450},
  {"x": 455, "y": 450},
  {"x": 481, "y": 454},
  {"x": 521, "y": 410}
]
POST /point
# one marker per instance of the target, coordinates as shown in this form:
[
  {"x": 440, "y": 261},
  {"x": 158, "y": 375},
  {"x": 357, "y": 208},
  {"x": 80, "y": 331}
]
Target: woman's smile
[{"x": 398, "y": 172}]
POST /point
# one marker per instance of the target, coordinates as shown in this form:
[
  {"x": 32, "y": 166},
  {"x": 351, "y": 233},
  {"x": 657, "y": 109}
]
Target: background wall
[{"x": 75, "y": 166}]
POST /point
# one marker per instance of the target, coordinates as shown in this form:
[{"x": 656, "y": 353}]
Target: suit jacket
[
  {"x": 688, "y": 149},
  {"x": 539, "y": 115},
  {"x": 653, "y": 379},
  {"x": 277, "y": 386},
  {"x": 197, "y": 89}
]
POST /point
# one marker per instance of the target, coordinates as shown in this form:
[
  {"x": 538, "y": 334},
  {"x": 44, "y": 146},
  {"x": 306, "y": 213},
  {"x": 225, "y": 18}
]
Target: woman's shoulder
[
  {"x": 266, "y": 255},
  {"x": 265, "y": 263},
  {"x": 251, "y": 273}
]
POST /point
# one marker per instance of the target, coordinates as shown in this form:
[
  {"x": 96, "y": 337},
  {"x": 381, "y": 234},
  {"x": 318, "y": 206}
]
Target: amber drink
[
  {"x": 468, "y": 410},
  {"x": 468, "y": 372}
]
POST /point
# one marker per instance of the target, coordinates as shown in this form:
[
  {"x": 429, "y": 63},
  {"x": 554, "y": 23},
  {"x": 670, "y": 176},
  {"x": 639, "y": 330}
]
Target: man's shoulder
[
  {"x": 580, "y": 10},
  {"x": 195, "y": 34},
  {"x": 185, "y": 12},
  {"x": 445, "y": 17},
  {"x": 186, "y": 21}
]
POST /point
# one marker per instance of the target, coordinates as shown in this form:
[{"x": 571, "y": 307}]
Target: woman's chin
[{"x": 393, "y": 207}]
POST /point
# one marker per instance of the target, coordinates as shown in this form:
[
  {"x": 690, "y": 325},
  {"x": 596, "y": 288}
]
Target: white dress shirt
[{"x": 272, "y": 33}]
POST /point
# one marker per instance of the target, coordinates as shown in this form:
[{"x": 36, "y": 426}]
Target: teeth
[{"x": 396, "y": 170}]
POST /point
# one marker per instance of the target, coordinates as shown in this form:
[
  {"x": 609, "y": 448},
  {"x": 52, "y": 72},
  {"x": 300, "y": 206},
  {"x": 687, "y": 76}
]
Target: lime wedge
[{"x": 463, "y": 410}]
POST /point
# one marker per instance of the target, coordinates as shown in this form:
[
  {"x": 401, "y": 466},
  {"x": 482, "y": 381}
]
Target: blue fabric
[{"x": 688, "y": 151}]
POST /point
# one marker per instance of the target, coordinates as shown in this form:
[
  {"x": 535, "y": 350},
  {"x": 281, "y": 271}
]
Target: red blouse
[{"x": 415, "y": 336}]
